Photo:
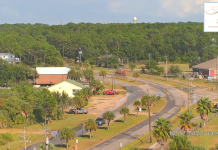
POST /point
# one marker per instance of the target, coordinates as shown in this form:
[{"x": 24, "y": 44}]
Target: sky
[{"x": 53, "y": 12}]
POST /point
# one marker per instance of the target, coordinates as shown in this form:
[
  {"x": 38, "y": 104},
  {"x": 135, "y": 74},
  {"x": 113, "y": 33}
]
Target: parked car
[
  {"x": 100, "y": 121},
  {"x": 110, "y": 92},
  {"x": 79, "y": 111}
]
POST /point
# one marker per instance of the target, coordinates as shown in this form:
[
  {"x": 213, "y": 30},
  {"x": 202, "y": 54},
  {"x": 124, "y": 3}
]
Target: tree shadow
[
  {"x": 84, "y": 136},
  {"x": 118, "y": 121},
  {"x": 61, "y": 145},
  {"x": 104, "y": 128}
]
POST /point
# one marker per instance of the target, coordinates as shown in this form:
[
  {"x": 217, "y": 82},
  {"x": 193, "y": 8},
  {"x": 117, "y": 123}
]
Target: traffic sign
[{"x": 159, "y": 93}]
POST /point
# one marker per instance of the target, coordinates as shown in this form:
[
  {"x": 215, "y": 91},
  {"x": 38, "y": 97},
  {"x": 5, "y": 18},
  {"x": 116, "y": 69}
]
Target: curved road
[{"x": 174, "y": 101}]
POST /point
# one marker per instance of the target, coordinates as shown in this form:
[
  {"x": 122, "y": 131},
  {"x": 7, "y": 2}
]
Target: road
[{"x": 174, "y": 101}]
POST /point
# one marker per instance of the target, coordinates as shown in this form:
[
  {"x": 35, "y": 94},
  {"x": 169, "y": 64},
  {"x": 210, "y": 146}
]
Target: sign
[
  {"x": 121, "y": 145},
  {"x": 210, "y": 17},
  {"x": 159, "y": 94},
  {"x": 181, "y": 108}
]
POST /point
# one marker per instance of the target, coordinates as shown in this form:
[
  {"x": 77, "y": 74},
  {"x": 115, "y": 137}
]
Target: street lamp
[
  {"x": 80, "y": 53},
  {"x": 46, "y": 142},
  {"x": 190, "y": 79}
]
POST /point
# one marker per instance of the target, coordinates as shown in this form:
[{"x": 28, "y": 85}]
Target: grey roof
[
  {"x": 211, "y": 64},
  {"x": 76, "y": 83}
]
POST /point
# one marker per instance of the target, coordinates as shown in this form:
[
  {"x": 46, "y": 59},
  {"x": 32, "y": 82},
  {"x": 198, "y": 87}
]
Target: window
[{"x": 75, "y": 90}]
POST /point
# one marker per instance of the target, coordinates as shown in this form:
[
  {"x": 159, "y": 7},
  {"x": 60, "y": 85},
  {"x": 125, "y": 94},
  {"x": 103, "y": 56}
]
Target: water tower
[{"x": 134, "y": 19}]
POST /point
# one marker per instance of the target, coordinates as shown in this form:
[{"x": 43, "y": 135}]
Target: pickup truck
[
  {"x": 110, "y": 92},
  {"x": 79, "y": 111}
]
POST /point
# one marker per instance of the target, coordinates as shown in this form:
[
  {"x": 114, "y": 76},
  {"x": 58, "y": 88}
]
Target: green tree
[
  {"x": 43, "y": 146},
  {"x": 86, "y": 64},
  {"x": 124, "y": 111},
  {"x": 102, "y": 73},
  {"x": 108, "y": 115},
  {"x": 203, "y": 108},
  {"x": 196, "y": 148},
  {"x": 132, "y": 66},
  {"x": 90, "y": 126},
  {"x": 78, "y": 102},
  {"x": 137, "y": 104},
  {"x": 114, "y": 62},
  {"x": 179, "y": 142},
  {"x": 75, "y": 73},
  {"x": 88, "y": 74},
  {"x": 185, "y": 121},
  {"x": 175, "y": 70},
  {"x": 136, "y": 75},
  {"x": 161, "y": 131},
  {"x": 67, "y": 134}
]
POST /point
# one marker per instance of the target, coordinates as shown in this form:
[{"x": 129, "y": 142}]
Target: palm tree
[
  {"x": 136, "y": 75},
  {"x": 124, "y": 111},
  {"x": 86, "y": 64},
  {"x": 185, "y": 121},
  {"x": 137, "y": 105},
  {"x": 50, "y": 146},
  {"x": 91, "y": 126},
  {"x": 203, "y": 108},
  {"x": 180, "y": 142},
  {"x": 68, "y": 134},
  {"x": 103, "y": 73},
  {"x": 86, "y": 93},
  {"x": 108, "y": 115},
  {"x": 161, "y": 131}
]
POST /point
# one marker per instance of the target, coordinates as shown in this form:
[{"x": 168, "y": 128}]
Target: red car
[{"x": 110, "y": 92}]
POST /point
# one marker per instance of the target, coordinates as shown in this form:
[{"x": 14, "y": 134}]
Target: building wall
[
  {"x": 64, "y": 86},
  {"x": 50, "y": 79},
  {"x": 205, "y": 72}
]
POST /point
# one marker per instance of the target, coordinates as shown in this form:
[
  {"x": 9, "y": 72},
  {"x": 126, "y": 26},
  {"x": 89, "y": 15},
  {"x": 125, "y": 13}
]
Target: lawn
[
  {"x": 133, "y": 82},
  {"x": 183, "y": 67},
  {"x": 17, "y": 144},
  {"x": 71, "y": 120},
  {"x": 161, "y": 80},
  {"x": 103, "y": 134},
  {"x": 158, "y": 106},
  {"x": 108, "y": 85}
]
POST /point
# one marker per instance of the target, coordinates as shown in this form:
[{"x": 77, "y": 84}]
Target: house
[
  {"x": 69, "y": 86},
  {"x": 51, "y": 75},
  {"x": 206, "y": 69},
  {"x": 9, "y": 57}
]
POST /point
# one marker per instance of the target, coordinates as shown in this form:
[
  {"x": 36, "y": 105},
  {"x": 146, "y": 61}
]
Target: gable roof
[
  {"x": 52, "y": 70},
  {"x": 211, "y": 64},
  {"x": 76, "y": 83}
]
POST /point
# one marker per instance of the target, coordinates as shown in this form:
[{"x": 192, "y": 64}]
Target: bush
[{"x": 99, "y": 92}]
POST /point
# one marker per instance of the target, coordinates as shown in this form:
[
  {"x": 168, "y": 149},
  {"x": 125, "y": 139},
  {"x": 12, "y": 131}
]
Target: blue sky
[{"x": 100, "y": 11}]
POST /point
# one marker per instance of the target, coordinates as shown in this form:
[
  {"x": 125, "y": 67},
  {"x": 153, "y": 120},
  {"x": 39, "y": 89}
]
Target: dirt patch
[{"x": 104, "y": 103}]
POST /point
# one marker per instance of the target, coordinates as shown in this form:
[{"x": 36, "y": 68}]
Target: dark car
[{"x": 100, "y": 121}]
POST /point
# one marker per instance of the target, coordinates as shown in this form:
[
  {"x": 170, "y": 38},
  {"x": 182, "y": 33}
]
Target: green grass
[
  {"x": 101, "y": 135},
  {"x": 129, "y": 81},
  {"x": 183, "y": 67},
  {"x": 158, "y": 106},
  {"x": 203, "y": 83},
  {"x": 71, "y": 120},
  {"x": 108, "y": 85},
  {"x": 16, "y": 144},
  {"x": 161, "y": 80}
]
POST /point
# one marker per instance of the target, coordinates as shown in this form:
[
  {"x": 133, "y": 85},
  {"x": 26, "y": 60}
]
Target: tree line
[{"x": 41, "y": 44}]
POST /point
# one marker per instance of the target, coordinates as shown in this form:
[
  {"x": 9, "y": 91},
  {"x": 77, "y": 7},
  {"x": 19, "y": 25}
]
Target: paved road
[{"x": 174, "y": 101}]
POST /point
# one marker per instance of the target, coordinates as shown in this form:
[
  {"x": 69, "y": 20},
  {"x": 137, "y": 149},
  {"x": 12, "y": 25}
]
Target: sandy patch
[{"x": 104, "y": 103}]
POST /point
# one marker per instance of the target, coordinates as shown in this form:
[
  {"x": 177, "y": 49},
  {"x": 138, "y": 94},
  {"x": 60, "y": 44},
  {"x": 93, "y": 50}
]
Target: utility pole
[
  {"x": 149, "y": 116},
  {"x": 166, "y": 67},
  {"x": 216, "y": 76},
  {"x": 45, "y": 130},
  {"x": 107, "y": 59},
  {"x": 24, "y": 136},
  {"x": 149, "y": 64}
]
